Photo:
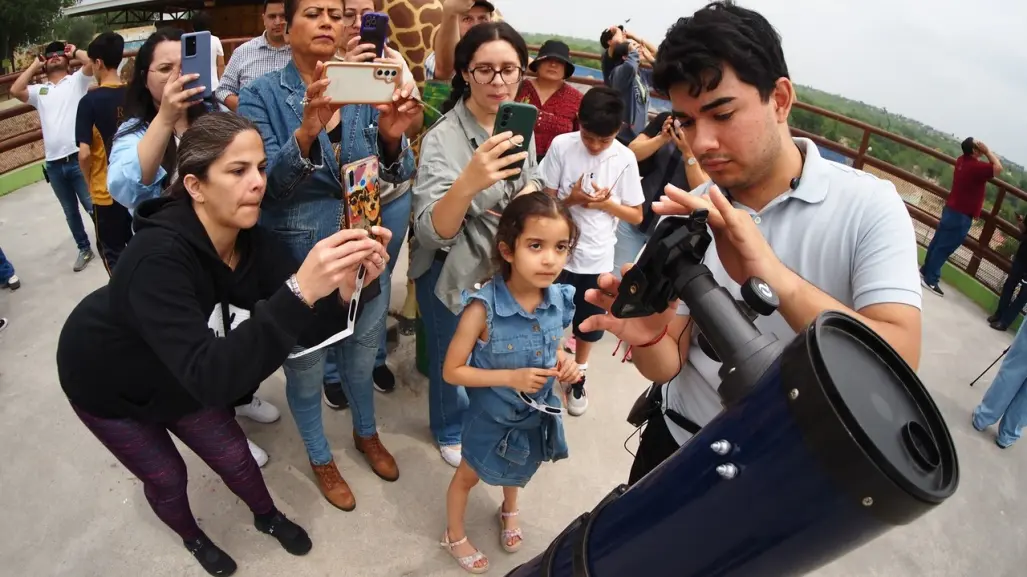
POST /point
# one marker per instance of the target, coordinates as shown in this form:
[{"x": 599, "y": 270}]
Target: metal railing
[{"x": 20, "y": 144}]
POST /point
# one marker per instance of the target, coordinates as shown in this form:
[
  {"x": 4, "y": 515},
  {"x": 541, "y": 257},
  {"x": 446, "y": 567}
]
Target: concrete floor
[{"x": 68, "y": 508}]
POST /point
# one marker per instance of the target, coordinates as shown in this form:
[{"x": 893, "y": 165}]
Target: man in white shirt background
[
  {"x": 597, "y": 178},
  {"x": 57, "y": 102}
]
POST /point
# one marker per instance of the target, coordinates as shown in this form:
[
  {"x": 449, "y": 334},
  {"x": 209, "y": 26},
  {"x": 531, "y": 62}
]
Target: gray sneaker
[{"x": 83, "y": 259}]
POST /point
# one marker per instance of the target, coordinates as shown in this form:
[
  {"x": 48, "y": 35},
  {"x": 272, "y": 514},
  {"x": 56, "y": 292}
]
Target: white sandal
[
  {"x": 466, "y": 563},
  {"x": 505, "y": 535}
]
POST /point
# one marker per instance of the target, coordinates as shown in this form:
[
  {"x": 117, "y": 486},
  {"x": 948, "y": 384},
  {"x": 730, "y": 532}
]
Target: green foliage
[
  {"x": 898, "y": 154},
  {"x": 78, "y": 30},
  {"x": 27, "y": 22}
]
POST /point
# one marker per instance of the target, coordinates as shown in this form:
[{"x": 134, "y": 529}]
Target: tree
[{"x": 26, "y": 22}]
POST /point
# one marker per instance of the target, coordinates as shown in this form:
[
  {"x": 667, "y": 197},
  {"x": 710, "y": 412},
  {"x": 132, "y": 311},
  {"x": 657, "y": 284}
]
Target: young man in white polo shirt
[
  {"x": 57, "y": 101},
  {"x": 822, "y": 235},
  {"x": 597, "y": 178}
]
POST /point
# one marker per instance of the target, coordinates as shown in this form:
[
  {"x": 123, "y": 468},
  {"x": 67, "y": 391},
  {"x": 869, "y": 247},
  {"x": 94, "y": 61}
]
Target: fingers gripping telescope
[{"x": 825, "y": 442}]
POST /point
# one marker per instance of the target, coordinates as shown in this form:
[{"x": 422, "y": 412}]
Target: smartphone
[
  {"x": 519, "y": 118},
  {"x": 362, "y": 82},
  {"x": 362, "y": 207},
  {"x": 374, "y": 29},
  {"x": 196, "y": 60}
]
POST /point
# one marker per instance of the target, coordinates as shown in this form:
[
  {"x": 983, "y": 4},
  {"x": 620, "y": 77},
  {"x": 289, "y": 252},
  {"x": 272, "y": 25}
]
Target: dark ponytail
[
  {"x": 203, "y": 144},
  {"x": 465, "y": 49}
]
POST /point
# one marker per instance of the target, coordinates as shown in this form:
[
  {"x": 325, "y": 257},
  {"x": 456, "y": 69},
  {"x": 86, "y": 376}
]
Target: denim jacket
[
  {"x": 303, "y": 204},
  {"x": 499, "y": 426}
]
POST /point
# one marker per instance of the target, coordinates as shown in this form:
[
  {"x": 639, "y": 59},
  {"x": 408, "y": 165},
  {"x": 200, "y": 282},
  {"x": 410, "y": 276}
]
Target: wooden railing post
[
  {"x": 864, "y": 145},
  {"x": 987, "y": 232}
]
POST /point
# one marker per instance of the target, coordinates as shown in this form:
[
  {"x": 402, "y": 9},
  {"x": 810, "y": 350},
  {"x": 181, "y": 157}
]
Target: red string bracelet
[{"x": 627, "y": 353}]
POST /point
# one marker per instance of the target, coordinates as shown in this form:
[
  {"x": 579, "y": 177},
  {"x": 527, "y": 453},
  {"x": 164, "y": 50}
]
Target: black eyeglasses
[{"x": 487, "y": 74}]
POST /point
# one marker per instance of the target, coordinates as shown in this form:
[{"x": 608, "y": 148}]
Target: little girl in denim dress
[{"x": 506, "y": 352}]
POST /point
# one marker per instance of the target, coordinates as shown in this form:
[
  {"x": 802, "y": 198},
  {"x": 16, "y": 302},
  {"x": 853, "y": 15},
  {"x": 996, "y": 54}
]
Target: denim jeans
[
  {"x": 630, "y": 241},
  {"x": 446, "y": 403},
  {"x": 952, "y": 229},
  {"x": 70, "y": 189},
  {"x": 396, "y": 218},
  {"x": 6, "y": 268},
  {"x": 1005, "y": 402},
  {"x": 1007, "y": 314},
  {"x": 304, "y": 378}
]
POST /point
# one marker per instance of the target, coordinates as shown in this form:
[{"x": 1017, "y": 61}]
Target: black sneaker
[
  {"x": 211, "y": 557},
  {"x": 335, "y": 397},
  {"x": 292, "y": 537},
  {"x": 993, "y": 318},
  {"x": 999, "y": 326},
  {"x": 384, "y": 380},
  {"x": 935, "y": 288}
]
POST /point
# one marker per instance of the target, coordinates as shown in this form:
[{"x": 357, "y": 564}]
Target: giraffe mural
[{"x": 413, "y": 24}]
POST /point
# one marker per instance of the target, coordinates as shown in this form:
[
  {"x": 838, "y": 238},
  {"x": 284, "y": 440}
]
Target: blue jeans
[
  {"x": 396, "y": 218},
  {"x": 952, "y": 229},
  {"x": 70, "y": 189},
  {"x": 1005, "y": 402},
  {"x": 1007, "y": 314},
  {"x": 446, "y": 403},
  {"x": 6, "y": 268},
  {"x": 304, "y": 379},
  {"x": 630, "y": 241}
]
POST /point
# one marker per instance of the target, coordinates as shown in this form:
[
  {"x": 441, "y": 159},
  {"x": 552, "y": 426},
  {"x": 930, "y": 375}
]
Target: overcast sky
[{"x": 957, "y": 65}]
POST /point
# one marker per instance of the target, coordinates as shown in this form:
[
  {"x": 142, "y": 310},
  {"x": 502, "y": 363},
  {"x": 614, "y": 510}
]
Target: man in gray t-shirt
[{"x": 822, "y": 235}]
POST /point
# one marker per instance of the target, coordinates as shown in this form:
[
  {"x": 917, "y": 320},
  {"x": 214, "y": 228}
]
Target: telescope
[{"x": 825, "y": 442}]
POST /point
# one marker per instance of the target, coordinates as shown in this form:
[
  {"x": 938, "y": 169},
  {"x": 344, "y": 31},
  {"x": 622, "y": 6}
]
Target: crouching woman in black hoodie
[{"x": 203, "y": 307}]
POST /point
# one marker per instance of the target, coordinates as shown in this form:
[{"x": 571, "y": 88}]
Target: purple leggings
[{"x": 148, "y": 452}]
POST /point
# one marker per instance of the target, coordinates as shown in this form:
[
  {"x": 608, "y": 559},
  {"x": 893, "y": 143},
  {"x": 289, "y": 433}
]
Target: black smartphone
[
  {"x": 519, "y": 118},
  {"x": 374, "y": 29}
]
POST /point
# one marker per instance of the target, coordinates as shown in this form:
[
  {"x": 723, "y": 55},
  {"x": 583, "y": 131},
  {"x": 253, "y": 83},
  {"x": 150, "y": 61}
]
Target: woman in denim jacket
[{"x": 307, "y": 140}]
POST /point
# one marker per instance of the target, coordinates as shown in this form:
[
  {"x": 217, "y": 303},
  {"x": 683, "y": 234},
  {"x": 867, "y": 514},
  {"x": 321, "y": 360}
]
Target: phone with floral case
[{"x": 362, "y": 207}]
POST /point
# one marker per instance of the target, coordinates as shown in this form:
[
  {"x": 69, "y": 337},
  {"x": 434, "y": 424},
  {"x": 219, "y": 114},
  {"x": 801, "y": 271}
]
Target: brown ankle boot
[
  {"x": 377, "y": 456},
  {"x": 333, "y": 486}
]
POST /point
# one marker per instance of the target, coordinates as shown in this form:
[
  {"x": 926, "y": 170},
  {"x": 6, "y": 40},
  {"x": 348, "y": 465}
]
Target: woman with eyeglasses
[
  {"x": 460, "y": 192},
  {"x": 144, "y": 154},
  {"x": 308, "y": 140}
]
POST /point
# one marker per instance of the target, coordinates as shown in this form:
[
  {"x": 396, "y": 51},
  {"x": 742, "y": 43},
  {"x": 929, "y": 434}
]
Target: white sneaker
[
  {"x": 259, "y": 411},
  {"x": 577, "y": 400},
  {"x": 451, "y": 455},
  {"x": 259, "y": 455}
]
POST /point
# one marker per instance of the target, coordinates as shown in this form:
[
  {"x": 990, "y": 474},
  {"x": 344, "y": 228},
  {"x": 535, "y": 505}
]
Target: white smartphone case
[{"x": 362, "y": 82}]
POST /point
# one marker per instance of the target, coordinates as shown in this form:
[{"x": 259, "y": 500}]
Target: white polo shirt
[
  {"x": 616, "y": 168},
  {"x": 845, "y": 231},
  {"x": 57, "y": 105}
]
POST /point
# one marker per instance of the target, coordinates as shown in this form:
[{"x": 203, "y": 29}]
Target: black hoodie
[{"x": 152, "y": 345}]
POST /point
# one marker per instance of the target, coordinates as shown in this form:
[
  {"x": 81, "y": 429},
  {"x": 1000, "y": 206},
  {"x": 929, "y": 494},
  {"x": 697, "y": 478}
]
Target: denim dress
[{"x": 505, "y": 439}]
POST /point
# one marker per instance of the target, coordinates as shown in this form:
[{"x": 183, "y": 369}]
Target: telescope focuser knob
[{"x": 760, "y": 297}]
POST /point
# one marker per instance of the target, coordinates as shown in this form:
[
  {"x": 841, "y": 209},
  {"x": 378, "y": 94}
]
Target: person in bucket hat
[{"x": 556, "y": 100}]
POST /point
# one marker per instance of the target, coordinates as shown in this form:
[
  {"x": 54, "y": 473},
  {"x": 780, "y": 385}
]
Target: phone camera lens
[{"x": 378, "y": 72}]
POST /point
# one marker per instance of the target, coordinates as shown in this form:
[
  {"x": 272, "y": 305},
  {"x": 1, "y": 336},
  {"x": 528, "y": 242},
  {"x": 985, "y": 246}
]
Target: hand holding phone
[{"x": 490, "y": 164}]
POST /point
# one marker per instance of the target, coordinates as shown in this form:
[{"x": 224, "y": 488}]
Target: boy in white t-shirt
[{"x": 597, "y": 178}]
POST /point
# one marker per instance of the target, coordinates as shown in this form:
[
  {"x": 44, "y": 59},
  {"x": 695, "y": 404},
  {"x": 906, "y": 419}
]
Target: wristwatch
[
  {"x": 294, "y": 286},
  {"x": 691, "y": 161}
]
